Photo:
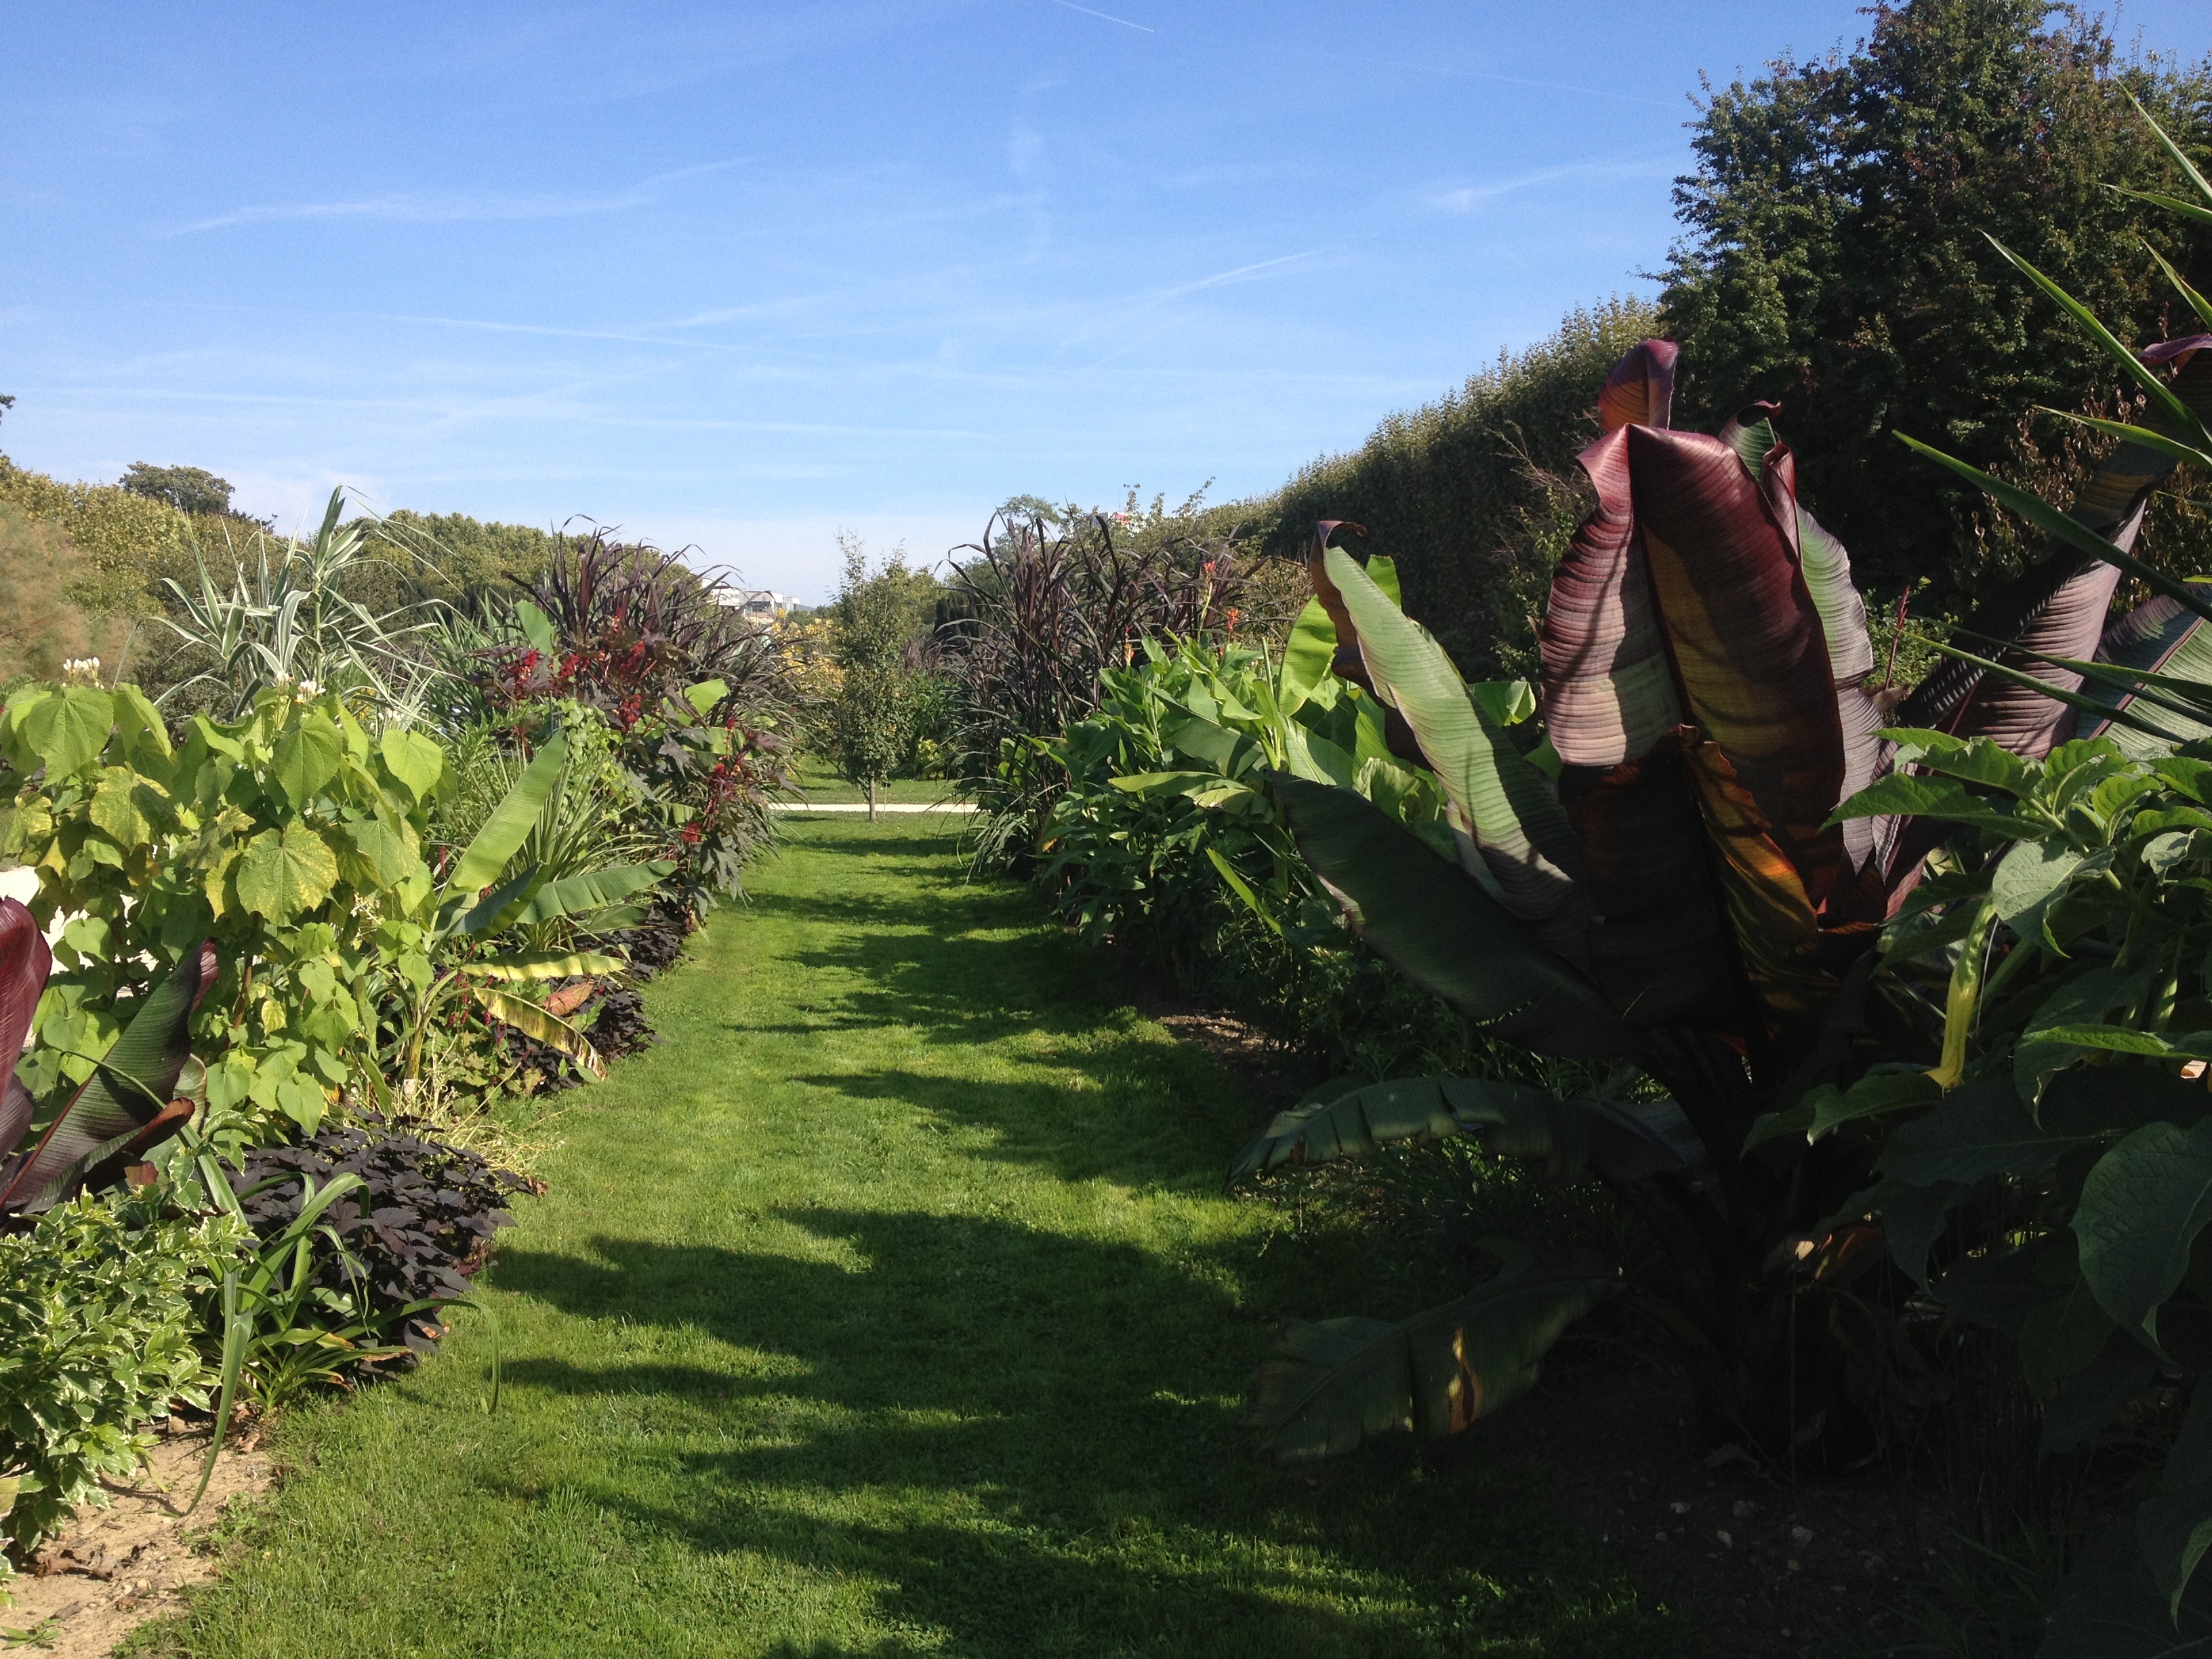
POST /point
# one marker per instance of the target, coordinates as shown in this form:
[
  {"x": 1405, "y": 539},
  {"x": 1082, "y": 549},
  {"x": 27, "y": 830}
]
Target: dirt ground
[{"x": 115, "y": 1567}]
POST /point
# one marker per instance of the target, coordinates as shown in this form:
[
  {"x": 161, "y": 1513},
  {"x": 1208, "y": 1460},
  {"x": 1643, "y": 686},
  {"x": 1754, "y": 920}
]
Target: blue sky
[{"x": 743, "y": 274}]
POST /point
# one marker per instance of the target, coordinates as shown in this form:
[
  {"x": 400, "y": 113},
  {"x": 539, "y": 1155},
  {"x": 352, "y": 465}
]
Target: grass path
[{"x": 892, "y": 1307}]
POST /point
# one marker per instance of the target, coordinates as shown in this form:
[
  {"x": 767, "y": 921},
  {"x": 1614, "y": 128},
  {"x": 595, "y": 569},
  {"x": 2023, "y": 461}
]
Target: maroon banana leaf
[
  {"x": 127, "y": 1105},
  {"x": 24, "y": 962}
]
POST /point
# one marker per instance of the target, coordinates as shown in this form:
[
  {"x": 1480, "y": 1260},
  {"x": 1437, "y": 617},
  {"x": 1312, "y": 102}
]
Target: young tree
[{"x": 876, "y": 616}]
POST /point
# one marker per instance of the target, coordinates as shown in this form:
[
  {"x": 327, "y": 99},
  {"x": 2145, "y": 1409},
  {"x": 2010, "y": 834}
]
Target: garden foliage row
[
  {"x": 1882, "y": 1006},
  {"x": 302, "y": 932}
]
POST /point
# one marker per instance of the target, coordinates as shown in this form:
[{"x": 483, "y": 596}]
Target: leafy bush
[
  {"x": 99, "y": 1325},
  {"x": 416, "y": 1230}
]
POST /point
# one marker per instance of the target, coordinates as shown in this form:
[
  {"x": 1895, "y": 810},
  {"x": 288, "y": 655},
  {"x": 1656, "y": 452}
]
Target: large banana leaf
[
  {"x": 126, "y": 1105},
  {"x": 1432, "y": 922},
  {"x": 1750, "y": 654},
  {"x": 1327, "y": 1388},
  {"x": 1505, "y": 804},
  {"x": 1640, "y": 391},
  {"x": 2158, "y": 637},
  {"x": 1607, "y": 687},
  {"x": 532, "y": 965},
  {"x": 1306, "y": 656},
  {"x": 1620, "y": 1141},
  {"x": 24, "y": 962},
  {"x": 595, "y": 889},
  {"x": 511, "y": 821},
  {"x": 548, "y": 1028},
  {"x": 1658, "y": 947}
]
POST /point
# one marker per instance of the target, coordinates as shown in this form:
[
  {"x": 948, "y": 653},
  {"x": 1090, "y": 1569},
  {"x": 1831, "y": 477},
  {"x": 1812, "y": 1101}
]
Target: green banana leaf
[
  {"x": 548, "y": 1028},
  {"x": 1509, "y": 808},
  {"x": 541, "y": 965},
  {"x": 1434, "y": 923},
  {"x": 511, "y": 821},
  {"x": 595, "y": 889},
  {"x": 1328, "y": 1387},
  {"x": 1620, "y": 1141}
]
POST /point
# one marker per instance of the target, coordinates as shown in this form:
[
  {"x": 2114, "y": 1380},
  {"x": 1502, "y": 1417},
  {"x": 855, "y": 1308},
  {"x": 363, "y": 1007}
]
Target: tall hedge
[{"x": 1472, "y": 495}]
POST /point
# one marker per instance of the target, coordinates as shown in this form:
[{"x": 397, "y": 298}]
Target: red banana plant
[{"x": 128, "y": 1104}]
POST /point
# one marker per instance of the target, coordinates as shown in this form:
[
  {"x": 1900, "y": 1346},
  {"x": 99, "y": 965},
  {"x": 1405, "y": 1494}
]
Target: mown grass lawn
[{"x": 892, "y": 1307}]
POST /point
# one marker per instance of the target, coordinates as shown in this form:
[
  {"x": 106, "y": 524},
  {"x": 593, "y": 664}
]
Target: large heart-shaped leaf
[
  {"x": 414, "y": 759},
  {"x": 283, "y": 873},
  {"x": 65, "y": 729},
  {"x": 1432, "y": 922},
  {"x": 307, "y": 758}
]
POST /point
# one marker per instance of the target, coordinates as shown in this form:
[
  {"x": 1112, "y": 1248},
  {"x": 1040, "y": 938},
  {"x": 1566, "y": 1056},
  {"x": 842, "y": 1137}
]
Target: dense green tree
[
  {"x": 1836, "y": 261},
  {"x": 188, "y": 489},
  {"x": 455, "y": 558}
]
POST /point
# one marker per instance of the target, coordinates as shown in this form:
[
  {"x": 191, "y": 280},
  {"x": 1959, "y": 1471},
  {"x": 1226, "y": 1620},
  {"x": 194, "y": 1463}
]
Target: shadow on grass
[{"x": 1029, "y": 1442}]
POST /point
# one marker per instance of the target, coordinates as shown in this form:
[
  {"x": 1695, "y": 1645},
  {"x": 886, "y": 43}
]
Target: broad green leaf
[
  {"x": 1902, "y": 794},
  {"x": 1432, "y": 922},
  {"x": 2126, "y": 1040},
  {"x": 388, "y": 851},
  {"x": 124, "y": 808},
  {"x": 283, "y": 873},
  {"x": 2029, "y": 874},
  {"x": 145, "y": 735},
  {"x": 307, "y": 758},
  {"x": 1980, "y": 1130},
  {"x": 511, "y": 821},
  {"x": 1328, "y": 1388},
  {"x": 537, "y": 627},
  {"x": 2175, "y": 1527},
  {"x": 595, "y": 889},
  {"x": 414, "y": 759},
  {"x": 1873, "y": 1095},
  {"x": 705, "y": 695},
  {"x": 1307, "y": 655},
  {"x": 65, "y": 729},
  {"x": 2141, "y": 1208},
  {"x": 2111, "y": 1606},
  {"x": 1975, "y": 760},
  {"x": 1508, "y": 807}
]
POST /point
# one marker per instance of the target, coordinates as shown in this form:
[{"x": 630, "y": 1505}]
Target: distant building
[{"x": 763, "y": 602}]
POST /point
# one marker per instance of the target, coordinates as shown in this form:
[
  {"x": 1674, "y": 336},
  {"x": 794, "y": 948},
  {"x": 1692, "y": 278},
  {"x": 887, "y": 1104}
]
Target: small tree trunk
[{"x": 872, "y": 800}]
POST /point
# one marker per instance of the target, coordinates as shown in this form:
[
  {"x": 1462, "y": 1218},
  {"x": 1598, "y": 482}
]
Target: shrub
[
  {"x": 416, "y": 1230},
  {"x": 98, "y": 1333}
]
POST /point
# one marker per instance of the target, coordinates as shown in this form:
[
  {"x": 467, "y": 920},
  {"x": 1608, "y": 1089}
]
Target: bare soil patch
[{"x": 113, "y": 1568}]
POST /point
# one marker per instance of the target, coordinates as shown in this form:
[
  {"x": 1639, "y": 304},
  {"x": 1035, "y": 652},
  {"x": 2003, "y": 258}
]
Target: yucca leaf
[
  {"x": 1430, "y": 919},
  {"x": 1328, "y": 1388},
  {"x": 2174, "y": 152},
  {"x": 2172, "y": 204},
  {"x": 511, "y": 821},
  {"x": 551, "y": 1030},
  {"x": 2174, "y": 448},
  {"x": 2043, "y": 688},
  {"x": 2196, "y": 301},
  {"x": 127, "y": 1106},
  {"x": 1242, "y": 889}
]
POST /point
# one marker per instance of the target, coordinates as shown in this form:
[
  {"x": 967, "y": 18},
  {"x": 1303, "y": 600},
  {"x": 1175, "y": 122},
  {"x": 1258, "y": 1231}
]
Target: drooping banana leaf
[
  {"x": 1505, "y": 806},
  {"x": 1345, "y": 662},
  {"x": 1607, "y": 687},
  {"x": 532, "y": 965},
  {"x": 1640, "y": 390},
  {"x": 548, "y": 1028},
  {"x": 127, "y": 1106},
  {"x": 24, "y": 962},
  {"x": 1306, "y": 656},
  {"x": 1327, "y": 1388},
  {"x": 1434, "y": 923},
  {"x": 1620, "y": 1141},
  {"x": 595, "y": 889}
]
